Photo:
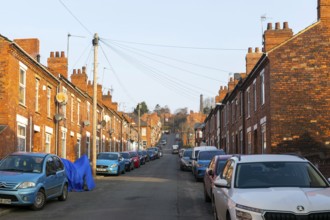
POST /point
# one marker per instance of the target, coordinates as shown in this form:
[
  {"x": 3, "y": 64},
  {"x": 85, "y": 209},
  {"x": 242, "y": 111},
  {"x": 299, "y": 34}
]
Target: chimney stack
[
  {"x": 58, "y": 64},
  {"x": 201, "y": 107},
  {"x": 79, "y": 79},
  {"x": 252, "y": 59},
  {"x": 30, "y": 45},
  {"x": 274, "y": 37},
  {"x": 323, "y": 10}
]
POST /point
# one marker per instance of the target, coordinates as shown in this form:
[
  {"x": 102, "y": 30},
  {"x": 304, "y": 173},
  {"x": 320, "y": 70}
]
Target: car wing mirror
[
  {"x": 210, "y": 172},
  {"x": 221, "y": 183}
]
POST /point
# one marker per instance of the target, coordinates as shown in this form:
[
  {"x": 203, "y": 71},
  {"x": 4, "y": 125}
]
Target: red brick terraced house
[
  {"x": 282, "y": 104},
  {"x": 27, "y": 94},
  {"x": 42, "y": 111}
]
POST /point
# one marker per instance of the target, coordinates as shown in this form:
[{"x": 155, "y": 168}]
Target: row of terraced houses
[
  {"x": 281, "y": 104},
  {"x": 41, "y": 110}
]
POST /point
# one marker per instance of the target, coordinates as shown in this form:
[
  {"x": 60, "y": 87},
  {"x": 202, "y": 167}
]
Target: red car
[
  {"x": 214, "y": 169},
  {"x": 135, "y": 158}
]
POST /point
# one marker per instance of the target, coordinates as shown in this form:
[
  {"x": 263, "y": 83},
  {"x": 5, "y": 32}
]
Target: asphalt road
[{"x": 157, "y": 190}]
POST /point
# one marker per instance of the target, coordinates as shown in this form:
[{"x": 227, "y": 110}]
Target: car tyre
[
  {"x": 39, "y": 200},
  {"x": 64, "y": 194},
  {"x": 124, "y": 171}
]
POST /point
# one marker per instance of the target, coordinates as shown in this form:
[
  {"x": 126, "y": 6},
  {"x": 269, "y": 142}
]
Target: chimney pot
[
  {"x": 285, "y": 25},
  {"x": 277, "y": 26},
  {"x": 79, "y": 71},
  {"x": 74, "y": 71},
  {"x": 269, "y": 26},
  {"x": 250, "y": 50},
  {"x": 52, "y": 54},
  {"x": 257, "y": 50},
  {"x": 62, "y": 54},
  {"x": 57, "y": 54}
]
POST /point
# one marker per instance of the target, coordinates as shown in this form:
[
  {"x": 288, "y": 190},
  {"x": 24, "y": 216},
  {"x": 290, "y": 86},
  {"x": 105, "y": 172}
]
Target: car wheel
[
  {"x": 64, "y": 194},
  {"x": 228, "y": 216},
  {"x": 39, "y": 200},
  {"x": 124, "y": 171},
  {"x": 206, "y": 196}
]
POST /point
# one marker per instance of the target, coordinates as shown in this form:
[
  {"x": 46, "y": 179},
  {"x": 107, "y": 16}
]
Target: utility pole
[{"x": 95, "y": 44}]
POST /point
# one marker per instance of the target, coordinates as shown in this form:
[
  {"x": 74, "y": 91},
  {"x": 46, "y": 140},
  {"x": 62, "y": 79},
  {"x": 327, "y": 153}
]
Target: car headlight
[
  {"x": 114, "y": 165},
  {"x": 240, "y": 215},
  {"x": 26, "y": 185},
  {"x": 245, "y": 215}
]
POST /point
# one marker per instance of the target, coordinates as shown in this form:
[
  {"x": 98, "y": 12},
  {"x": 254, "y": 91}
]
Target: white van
[
  {"x": 195, "y": 153},
  {"x": 197, "y": 149}
]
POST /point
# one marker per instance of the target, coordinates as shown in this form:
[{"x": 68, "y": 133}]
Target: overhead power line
[
  {"x": 182, "y": 47},
  {"x": 167, "y": 64},
  {"x": 75, "y": 17}
]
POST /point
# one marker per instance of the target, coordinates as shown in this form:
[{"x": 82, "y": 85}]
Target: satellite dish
[
  {"x": 58, "y": 117},
  {"x": 103, "y": 123},
  {"x": 62, "y": 98}
]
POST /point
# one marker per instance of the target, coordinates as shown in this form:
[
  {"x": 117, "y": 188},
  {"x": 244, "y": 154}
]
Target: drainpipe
[
  {"x": 31, "y": 136},
  {"x": 56, "y": 122}
]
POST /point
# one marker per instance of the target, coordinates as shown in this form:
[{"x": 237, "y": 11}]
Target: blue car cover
[{"x": 79, "y": 174}]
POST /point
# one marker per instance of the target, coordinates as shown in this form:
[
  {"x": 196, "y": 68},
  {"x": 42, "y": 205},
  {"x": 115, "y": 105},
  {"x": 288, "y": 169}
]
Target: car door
[
  {"x": 60, "y": 174},
  {"x": 223, "y": 193},
  {"x": 51, "y": 181}
]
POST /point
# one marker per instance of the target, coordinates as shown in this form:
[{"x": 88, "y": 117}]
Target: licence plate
[
  {"x": 100, "y": 169},
  {"x": 5, "y": 201}
]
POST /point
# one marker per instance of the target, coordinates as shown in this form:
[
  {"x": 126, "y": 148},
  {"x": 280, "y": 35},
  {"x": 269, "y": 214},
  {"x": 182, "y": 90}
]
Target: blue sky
[{"x": 161, "y": 52}]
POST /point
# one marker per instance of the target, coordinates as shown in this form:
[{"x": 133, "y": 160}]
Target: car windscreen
[
  {"x": 125, "y": 155},
  {"x": 133, "y": 154},
  {"x": 107, "y": 156},
  {"x": 187, "y": 153},
  {"x": 22, "y": 163},
  {"x": 208, "y": 155},
  {"x": 278, "y": 174}
]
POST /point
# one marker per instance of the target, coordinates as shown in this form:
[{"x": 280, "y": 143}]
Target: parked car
[
  {"x": 128, "y": 161},
  {"x": 160, "y": 151},
  {"x": 146, "y": 155},
  {"x": 135, "y": 158},
  {"x": 108, "y": 163},
  {"x": 30, "y": 179},
  {"x": 152, "y": 154},
  {"x": 175, "y": 149},
  {"x": 185, "y": 160},
  {"x": 202, "y": 161},
  {"x": 181, "y": 152},
  {"x": 212, "y": 171},
  {"x": 270, "y": 187},
  {"x": 142, "y": 157},
  {"x": 156, "y": 150}
]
